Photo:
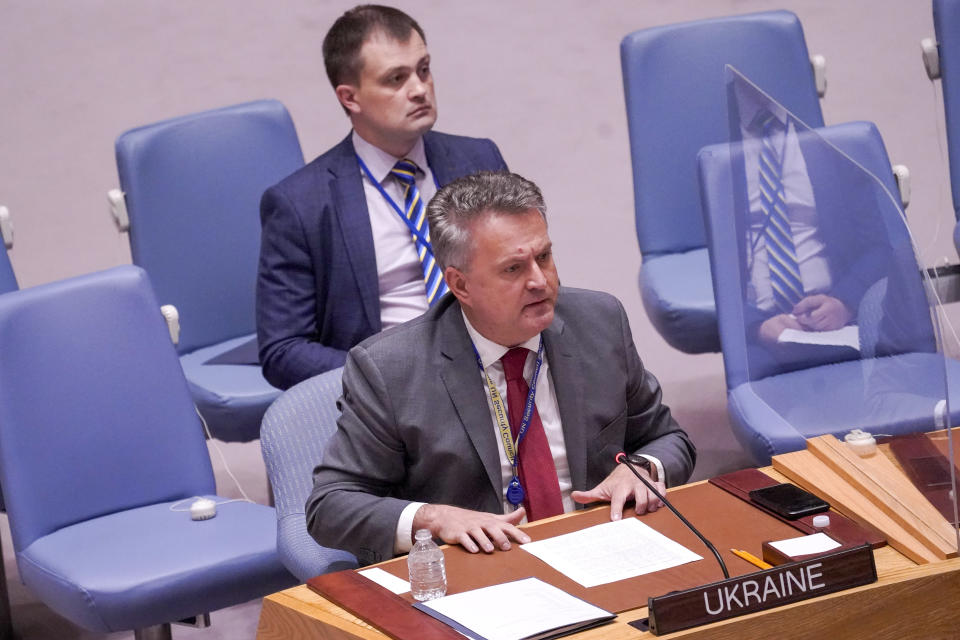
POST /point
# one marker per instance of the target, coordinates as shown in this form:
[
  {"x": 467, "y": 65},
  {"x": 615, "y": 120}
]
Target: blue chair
[
  {"x": 8, "y": 283},
  {"x": 898, "y": 378},
  {"x": 676, "y": 104},
  {"x": 99, "y": 441},
  {"x": 942, "y": 60},
  {"x": 192, "y": 188},
  {"x": 295, "y": 432}
]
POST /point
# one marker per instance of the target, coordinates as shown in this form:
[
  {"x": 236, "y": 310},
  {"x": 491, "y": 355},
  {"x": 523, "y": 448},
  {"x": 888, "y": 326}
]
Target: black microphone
[{"x": 622, "y": 458}]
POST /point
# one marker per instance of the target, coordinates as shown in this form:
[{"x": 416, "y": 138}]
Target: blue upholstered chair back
[
  {"x": 862, "y": 143},
  {"x": 946, "y": 24},
  {"x": 293, "y": 436},
  {"x": 95, "y": 415},
  {"x": 676, "y": 104},
  {"x": 8, "y": 281},
  {"x": 193, "y": 186}
]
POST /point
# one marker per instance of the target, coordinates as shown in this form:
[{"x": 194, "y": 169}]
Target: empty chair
[
  {"x": 891, "y": 377},
  {"x": 676, "y": 104},
  {"x": 101, "y": 454},
  {"x": 192, "y": 188},
  {"x": 294, "y": 434},
  {"x": 942, "y": 60}
]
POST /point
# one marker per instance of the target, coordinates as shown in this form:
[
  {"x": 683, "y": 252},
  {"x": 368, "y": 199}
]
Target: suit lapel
[
  {"x": 458, "y": 370},
  {"x": 564, "y": 357},
  {"x": 351, "y": 210},
  {"x": 444, "y": 161}
]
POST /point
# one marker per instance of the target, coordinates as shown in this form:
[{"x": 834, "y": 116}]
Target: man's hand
[
  {"x": 618, "y": 488},
  {"x": 771, "y": 328},
  {"x": 469, "y": 528},
  {"x": 821, "y": 313}
]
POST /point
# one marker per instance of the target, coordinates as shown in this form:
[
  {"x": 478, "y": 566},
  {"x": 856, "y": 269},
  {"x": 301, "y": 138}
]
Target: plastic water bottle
[{"x": 428, "y": 575}]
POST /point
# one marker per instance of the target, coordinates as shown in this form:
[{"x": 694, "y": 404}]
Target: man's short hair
[
  {"x": 453, "y": 209},
  {"x": 342, "y": 44}
]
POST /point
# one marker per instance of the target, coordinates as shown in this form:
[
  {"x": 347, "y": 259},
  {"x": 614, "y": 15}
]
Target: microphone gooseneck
[{"x": 622, "y": 458}]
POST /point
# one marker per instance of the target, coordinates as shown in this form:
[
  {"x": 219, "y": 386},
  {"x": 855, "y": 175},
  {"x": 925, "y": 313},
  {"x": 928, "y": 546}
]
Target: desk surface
[{"x": 907, "y": 601}]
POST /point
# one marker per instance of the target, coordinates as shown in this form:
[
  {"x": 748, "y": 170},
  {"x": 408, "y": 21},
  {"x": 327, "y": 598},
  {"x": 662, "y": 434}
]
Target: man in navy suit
[{"x": 337, "y": 259}]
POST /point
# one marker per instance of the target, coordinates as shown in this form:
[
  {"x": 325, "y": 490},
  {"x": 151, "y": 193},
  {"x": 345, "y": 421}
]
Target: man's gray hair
[{"x": 453, "y": 209}]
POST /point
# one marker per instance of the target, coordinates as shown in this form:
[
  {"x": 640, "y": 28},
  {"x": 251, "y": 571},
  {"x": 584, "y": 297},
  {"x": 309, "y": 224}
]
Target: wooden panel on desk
[
  {"x": 842, "y": 529},
  {"x": 925, "y": 459},
  {"x": 724, "y": 519},
  {"x": 807, "y": 471},
  {"x": 880, "y": 481}
]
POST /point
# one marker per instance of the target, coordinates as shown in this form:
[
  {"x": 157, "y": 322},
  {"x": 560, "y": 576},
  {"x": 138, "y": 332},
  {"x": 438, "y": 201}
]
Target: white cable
[{"x": 223, "y": 458}]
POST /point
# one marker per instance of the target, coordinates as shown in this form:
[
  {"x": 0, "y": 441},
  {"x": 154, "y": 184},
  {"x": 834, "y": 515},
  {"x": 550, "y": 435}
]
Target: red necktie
[{"x": 537, "y": 472}]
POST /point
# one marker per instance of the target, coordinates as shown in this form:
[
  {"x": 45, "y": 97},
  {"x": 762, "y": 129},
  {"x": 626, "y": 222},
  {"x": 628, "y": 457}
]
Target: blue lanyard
[
  {"x": 511, "y": 446},
  {"x": 386, "y": 196}
]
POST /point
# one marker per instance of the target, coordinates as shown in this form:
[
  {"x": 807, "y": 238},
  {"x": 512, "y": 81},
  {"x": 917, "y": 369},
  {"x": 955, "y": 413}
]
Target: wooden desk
[{"x": 907, "y": 601}]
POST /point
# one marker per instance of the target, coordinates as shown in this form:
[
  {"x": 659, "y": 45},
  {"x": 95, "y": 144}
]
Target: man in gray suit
[{"x": 440, "y": 429}]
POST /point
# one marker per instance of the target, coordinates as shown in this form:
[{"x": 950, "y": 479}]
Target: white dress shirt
[
  {"x": 402, "y": 292},
  {"x": 801, "y": 210}
]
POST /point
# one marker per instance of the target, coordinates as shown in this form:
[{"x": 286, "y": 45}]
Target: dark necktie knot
[
  {"x": 513, "y": 362},
  {"x": 405, "y": 171}
]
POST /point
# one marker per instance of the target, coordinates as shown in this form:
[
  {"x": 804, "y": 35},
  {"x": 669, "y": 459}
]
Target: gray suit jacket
[{"x": 416, "y": 426}]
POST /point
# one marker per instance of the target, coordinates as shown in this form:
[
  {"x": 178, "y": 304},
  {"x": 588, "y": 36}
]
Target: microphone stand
[{"x": 622, "y": 458}]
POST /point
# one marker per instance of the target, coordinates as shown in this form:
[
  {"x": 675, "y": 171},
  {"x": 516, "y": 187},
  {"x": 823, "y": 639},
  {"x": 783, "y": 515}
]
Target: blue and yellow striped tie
[
  {"x": 781, "y": 253},
  {"x": 416, "y": 211}
]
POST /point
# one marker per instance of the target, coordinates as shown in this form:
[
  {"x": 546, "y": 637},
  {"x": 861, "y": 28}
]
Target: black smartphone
[{"x": 788, "y": 500}]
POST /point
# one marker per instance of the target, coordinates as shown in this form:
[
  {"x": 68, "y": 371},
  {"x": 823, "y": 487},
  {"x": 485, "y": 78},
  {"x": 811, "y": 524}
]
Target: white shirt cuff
[
  {"x": 661, "y": 476},
  {"x": 404, "y": 540}
]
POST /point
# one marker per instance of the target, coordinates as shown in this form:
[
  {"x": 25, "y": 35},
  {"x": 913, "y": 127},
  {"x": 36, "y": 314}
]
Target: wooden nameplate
[
  {"x": 877, "y": 478},
  {"x": 807, "y": 471},
  {"x": 762, "y": 590}
]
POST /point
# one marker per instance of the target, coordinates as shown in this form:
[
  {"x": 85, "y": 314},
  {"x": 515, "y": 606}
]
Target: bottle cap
[
  {"x": 821, "y": 521},
  {"x": 861, "y": 442},
  {"x": 422, "y": 534}
]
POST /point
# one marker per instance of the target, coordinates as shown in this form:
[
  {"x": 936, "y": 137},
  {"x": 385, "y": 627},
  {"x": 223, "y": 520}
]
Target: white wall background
[{"x": 542, "y": 78}]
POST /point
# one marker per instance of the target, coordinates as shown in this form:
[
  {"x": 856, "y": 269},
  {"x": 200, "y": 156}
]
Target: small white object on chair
[{"x": 203, "y": 509}]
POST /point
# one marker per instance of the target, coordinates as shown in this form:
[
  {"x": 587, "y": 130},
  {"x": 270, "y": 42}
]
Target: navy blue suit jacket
[{"x": 317, "y": 288}]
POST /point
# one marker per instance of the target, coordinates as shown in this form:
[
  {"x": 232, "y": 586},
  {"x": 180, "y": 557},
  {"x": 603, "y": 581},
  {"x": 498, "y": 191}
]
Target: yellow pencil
[{"x": 752, "y": 559}]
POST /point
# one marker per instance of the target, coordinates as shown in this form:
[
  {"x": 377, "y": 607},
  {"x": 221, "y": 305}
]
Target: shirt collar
[
  {"x": 491, "y": 352},
  {"x": 380, "y": 162}
]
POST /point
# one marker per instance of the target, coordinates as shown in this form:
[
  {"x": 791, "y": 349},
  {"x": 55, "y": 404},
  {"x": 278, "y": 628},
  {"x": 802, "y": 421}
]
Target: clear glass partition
[{"x": 829, "y": 323}]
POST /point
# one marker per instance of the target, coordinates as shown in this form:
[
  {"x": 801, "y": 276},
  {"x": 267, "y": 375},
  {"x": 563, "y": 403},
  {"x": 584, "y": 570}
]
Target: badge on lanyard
[{"x": 511, "y": 448}]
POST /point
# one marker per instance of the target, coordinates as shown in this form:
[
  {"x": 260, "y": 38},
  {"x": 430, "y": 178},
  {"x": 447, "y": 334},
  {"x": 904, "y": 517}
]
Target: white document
[
  {"x": 528, "y": 608},
  {"x": 610, "y": 552},
  {"x": 805, "y": 545},
  {"x": 386, "y": 580},
  {"x": 848, "y": 336}
]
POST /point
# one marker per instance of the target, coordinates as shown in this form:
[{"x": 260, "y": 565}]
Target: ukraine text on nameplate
[{"x": 761, "y": 590}]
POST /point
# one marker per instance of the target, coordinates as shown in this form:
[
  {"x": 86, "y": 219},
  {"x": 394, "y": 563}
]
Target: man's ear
[
  {"x": 346, "y": 94},
  {"x": 457, "y": 283}
]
